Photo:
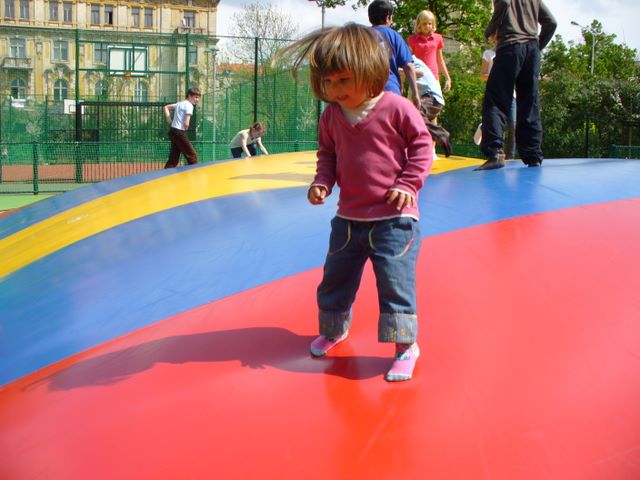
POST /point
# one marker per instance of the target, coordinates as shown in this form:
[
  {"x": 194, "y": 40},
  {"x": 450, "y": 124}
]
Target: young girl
[
  {"x": 245, "y": 140},
  {"x": 427, "y": 45},
  {"x": 375, "y": 147}
]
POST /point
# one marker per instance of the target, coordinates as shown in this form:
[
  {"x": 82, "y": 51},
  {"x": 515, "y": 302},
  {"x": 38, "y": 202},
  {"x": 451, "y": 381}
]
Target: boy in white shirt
[
  {"x": 431, "y": 102},
  {"x": 180, "y": 143}
]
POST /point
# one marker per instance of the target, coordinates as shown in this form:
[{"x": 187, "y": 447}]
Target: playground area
[{"x": 157, "y": 325}]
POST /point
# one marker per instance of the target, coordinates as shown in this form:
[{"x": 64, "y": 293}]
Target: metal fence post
[
  {"x": 186, "y": 67},
  {"x": 255, "y": 81},
  {"x": 76, "y": 95},
  {"x": 78, "y": 162},
  {"x": 35, "y": 169}
]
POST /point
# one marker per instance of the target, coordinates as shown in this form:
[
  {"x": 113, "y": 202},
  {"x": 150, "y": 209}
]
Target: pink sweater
[{"x": 389, "y": 149}]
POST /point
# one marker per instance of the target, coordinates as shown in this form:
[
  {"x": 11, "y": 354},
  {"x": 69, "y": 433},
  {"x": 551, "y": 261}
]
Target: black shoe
[
  {"x": 535, "y": 164},
  {"x": 492, "y": 163}
]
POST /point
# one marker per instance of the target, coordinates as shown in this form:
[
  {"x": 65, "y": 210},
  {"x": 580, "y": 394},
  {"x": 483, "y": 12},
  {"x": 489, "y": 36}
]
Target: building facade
[{"x": 115, "y": 49}]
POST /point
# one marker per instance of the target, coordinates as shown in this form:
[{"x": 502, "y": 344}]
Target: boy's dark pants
[
  {"x": 430, "y": 108},
  {"x": 515, "y": 66},
  {"x": 180, "y": 144}
]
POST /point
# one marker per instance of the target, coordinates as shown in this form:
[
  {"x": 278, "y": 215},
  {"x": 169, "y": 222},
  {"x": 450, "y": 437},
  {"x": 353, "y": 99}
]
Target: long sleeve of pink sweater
[{"x": 389, "y": 149}]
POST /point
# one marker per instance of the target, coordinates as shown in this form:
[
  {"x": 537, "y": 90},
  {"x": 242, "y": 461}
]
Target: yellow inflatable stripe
[
  {"x": 66, "y": 228},
  {"x": 261, "y": 173}
]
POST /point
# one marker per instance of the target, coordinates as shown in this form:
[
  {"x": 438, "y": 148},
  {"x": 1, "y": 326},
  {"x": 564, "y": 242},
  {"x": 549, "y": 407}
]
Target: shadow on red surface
[{"x": 254, "y": 348}]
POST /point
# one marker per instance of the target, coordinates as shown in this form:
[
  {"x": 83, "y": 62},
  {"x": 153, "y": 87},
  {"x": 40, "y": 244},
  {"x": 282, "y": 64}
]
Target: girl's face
[
  {"x": 340, "y": 87},
  {"x": 427, "y": 26}
]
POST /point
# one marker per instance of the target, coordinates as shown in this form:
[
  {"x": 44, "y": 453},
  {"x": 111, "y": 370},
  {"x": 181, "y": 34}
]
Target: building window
[
  {"x": 193, "y": 55},
  {"x": 60, "y": 50},
  {"x": 60, "y": 90},
  {"x": 95, "y": 14},
  {"x": 189, "y": 19},
  {"x": 18, "y": 88},
  {"x": 108, "y": 14},
  {"x": 141, "y": 91},
  {"x": 18, "y": 48},
  {"x": 135, "y": 16},
  {"x": 24, "y": 9},
  {"x": 67, "y": 12},
  {"x": 53, "y": 10},
  {"x": 148, "y": 17},
  {"x": 100, "y": 53},
  {"x": 102, "y": 89},
  {"x": 9, "y": 9}
]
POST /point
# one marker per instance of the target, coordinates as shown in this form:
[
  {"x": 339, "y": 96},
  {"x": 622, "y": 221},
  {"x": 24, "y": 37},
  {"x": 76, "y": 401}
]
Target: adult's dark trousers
[
  {"x": 180, "y": 143},
  {"x": 515, "y": 66}
]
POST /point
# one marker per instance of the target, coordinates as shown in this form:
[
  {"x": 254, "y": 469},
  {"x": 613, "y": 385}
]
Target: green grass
[{"x": 9, "y": 202}]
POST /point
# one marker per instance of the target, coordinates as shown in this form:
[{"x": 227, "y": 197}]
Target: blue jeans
[{"x": 393, "y": 246}]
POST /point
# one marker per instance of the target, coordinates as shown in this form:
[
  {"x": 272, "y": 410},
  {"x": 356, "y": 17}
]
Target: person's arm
[
  {"x": 410, "y": 72},
  {"x": 326, "y": 166},
  {"x": 484, "y": 70},
  {"x": 167, "y": 112},
  {"x": 243, "y": 139},
  {"x": 419, "y": 156},
  {"x": 187, "y": 121},
  {"x": 487, "y": 63},
  {"x": 262, "y": 149},
  {"x": 548, "y": 26},
  {"x": 442, "y": 66},
  {"x": 500, "y": 8}
]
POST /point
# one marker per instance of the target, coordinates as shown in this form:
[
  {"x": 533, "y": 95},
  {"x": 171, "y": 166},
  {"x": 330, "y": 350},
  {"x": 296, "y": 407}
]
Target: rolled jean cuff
[
  {"x": 398, "y": 327},
  {"x": 334, "y": 324}
]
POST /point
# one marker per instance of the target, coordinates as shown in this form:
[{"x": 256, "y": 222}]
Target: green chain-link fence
[
  {"x": 625, "y": 151},
  {"x": 99, "y": 114},
  {"x": 108, "y": 121}
]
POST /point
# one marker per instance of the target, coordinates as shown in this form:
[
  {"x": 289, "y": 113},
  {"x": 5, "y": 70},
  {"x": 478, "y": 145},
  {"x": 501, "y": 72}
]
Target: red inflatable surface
[{"x": 530, "y": 336}]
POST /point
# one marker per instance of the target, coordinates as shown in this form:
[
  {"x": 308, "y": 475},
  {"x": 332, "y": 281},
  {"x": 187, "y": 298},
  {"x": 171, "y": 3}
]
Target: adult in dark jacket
[{"x": 516, "y": 65}]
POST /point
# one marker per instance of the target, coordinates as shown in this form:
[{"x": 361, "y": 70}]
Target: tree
[
  {"x": 266, "y": 23},
  {"x": 583, "y": 109},
  {"x": 574, "y": 102},
  {"x": 462, "y": 111},
  {"x": 266, "y": 92},
  {"x": 462, "y": 20}
]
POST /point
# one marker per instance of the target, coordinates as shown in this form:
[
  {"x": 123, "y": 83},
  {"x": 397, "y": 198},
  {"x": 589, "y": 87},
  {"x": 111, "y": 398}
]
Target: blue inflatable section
[{"x": 166, "y": 263}]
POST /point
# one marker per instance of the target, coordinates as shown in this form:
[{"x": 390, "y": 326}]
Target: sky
[{"x": 619, "y": 17}]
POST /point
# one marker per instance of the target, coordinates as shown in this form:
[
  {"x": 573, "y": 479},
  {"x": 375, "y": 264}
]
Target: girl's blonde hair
[
  {"x": 352, "y": 47},
  {"x": 423, "y": 17}
]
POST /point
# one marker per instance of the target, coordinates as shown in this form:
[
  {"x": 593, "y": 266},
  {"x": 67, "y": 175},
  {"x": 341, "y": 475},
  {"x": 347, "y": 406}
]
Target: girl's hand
[
  {"x": 447, "y": 85},
  {"x": 316, "y": 195},
  {"x": 401, "y": 199}
]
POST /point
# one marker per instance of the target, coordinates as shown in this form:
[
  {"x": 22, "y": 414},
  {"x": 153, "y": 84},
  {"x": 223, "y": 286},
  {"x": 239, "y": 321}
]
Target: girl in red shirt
[{"x": 427, "y": 45}]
